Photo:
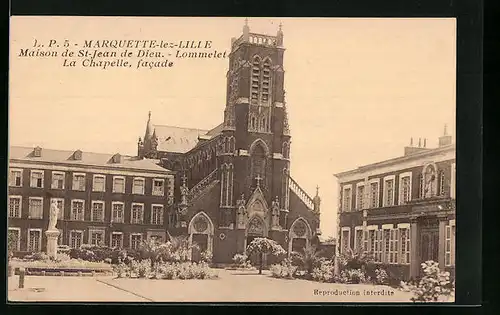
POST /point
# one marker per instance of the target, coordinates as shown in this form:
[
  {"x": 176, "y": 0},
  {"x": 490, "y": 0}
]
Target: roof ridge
[
  {"x": 69, "y": 151},
  {"x": 179, "y": 127}
]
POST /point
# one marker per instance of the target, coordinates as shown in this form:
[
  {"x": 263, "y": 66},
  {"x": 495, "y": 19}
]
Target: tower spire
[{"x": 149, "y": 128}]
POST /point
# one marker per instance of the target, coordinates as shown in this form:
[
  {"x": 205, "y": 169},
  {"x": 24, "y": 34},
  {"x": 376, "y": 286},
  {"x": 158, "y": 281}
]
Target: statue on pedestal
[
  {"x": 241, "y": 212},
  {"x": 54, "y": 213},
  {"x": 275, "y": 207},
  {"x": 52, "y": 232}
]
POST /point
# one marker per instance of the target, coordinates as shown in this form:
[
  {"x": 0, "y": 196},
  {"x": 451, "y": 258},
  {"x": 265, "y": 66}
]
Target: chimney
[
  {"x": 419, "y": 142},
  {"x": 445, "y": 139},
  {"x": 425, "y": 142}
]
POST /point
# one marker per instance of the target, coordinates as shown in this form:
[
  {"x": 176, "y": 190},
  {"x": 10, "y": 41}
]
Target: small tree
[
  {"x": 262, "y": 246},
  {"x": 308, "y": 259}
]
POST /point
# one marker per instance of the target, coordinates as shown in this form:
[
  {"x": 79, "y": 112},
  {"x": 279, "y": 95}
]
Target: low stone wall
[{"x": 43, "y": 271}]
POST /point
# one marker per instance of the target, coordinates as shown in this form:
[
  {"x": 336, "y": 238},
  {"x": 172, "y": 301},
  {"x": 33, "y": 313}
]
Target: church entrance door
[{"x": 201, "y": 240}]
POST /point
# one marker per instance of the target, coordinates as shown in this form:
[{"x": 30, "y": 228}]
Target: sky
[{"x": 357, "y": 90}]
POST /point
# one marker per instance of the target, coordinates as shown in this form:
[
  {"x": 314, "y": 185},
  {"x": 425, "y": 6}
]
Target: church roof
[
  {"x": 181, "y": 140},
  {"x": 86, "y": 159}
]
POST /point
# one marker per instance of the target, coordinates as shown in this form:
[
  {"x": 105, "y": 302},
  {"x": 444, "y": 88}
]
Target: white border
[
  {"x": 43, "y": 177},
  {"x": 92, "y": 209},
  {"x": 400, "y": 190},
  {"x": 124, "y": 185},
  {"x": 20, "y": 206},
  {"x": 384, "y": 194},
  {"x": 18, "y": 170},
  {"x": 343, "y": 198},
  {"x": 52, "y": 179},
  {"x": 39, "y": 239},
  {"x": 143, "y": 185},
  {"x": 142, "y": 212},
  {"x": 71, "y": 209},
  {"x": 162, "y": 213},
  {"x": 153, "y": 187},
  {"x": 29, "y": 210},
  {"x": 18, "y": 229},
  {"x": 93, "y": 182},
  {"x": 73, "y": 181}
]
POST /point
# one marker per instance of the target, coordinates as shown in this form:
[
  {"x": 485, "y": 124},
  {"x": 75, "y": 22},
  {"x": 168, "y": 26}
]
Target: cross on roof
[{"x": 258, "y": 179}]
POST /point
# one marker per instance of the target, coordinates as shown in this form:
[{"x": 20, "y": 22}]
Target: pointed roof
[{"x": 149, "y": 128}]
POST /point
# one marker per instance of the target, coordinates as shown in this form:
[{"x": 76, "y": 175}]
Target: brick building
[
  {"x": 234, "y": 180},
  {"x": 103, "y": 198},
  {"x": 402, "y": 210}
]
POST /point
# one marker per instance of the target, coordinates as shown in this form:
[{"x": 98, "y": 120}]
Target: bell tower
[{"x": 255, "y": 121}]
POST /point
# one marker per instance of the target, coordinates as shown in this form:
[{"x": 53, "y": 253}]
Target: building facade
[
  {"x": 402, "y": 211},
  {"x": 234, "y": 180},
  {"x": 106, "y": 199}
]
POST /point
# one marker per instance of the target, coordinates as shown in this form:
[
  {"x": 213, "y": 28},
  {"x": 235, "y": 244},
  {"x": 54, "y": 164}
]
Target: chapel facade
[{"x": 233, "y": 182}]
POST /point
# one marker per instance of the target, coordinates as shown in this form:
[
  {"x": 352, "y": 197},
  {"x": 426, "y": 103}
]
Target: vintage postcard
[{"x": 183, "y": 159}]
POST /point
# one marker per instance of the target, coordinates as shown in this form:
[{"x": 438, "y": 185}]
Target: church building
[{"x": 233, "y": 182}]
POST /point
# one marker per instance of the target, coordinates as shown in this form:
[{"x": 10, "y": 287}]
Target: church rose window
[{"x": 200, "y": 225}]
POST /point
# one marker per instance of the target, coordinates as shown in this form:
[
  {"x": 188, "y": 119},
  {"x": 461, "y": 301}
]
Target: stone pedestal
[{"x": 52, "y": 236}]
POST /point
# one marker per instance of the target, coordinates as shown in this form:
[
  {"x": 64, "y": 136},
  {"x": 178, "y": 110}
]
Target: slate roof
[
  {"x": 181, "y": 140},
  {"x": 88, "y": 159}
]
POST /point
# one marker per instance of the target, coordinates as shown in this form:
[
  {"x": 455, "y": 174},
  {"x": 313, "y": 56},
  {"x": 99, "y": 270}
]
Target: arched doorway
[
  {"x": 201, "y": 232},
  {"x": 256, "y": 227},
  {"x": 299, "y": 236}
]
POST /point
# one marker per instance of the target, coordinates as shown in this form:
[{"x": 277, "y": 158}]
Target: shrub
[
  {"x": 121, "y": 270},
  {"x": 285, "y": 269},
  {"x": 381, "y": 276},
  {"x": 325, "y": 272},
  {"x": 37, "y": 256},
  {"x": 433, "y": 285},
  {"x": 308, "y": 259},
  {"x": 353, "y": 276},
  {"x": 141, "y": 269},
  {"x": 206, "y": 256},
  {"x": 62, "y": 257}
]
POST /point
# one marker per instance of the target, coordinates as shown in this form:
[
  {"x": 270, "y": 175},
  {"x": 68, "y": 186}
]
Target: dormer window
[
  {"x": 117, "y": 158},
  {"x": 37, "y": 152},
  {"x": 77, "y": 155}
]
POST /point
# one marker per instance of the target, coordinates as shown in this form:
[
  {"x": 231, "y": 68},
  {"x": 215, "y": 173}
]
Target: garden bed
[{"x": 66, "y": 268}]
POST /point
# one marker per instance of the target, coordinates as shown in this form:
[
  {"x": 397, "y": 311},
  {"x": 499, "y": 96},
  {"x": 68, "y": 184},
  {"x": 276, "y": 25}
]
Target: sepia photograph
[{"x": 232, "y": 159}]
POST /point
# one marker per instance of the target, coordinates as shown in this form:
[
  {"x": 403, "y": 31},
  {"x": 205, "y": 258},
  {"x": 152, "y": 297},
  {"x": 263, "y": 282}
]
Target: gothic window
[
  {"x": 266, "y": 78},
  {"x": 223, "y": 184},
  {"x": 255, "y": 79},
  {"x": 200, "y": 224},
  {"x": 441, "y": 183},
  {"x": 232, "y": 144},
  {"x": 226, "y": 145},
  {"x": 300, "y": 229},
  {"x": 227, "y": 177},
  {"x": 252, "y": 124},
  {"x": 421, "y": 185},
  {"x": 264, "y": 125},
  {"x": 285, "y": 189},
  {"x": 258, "y": 161}
]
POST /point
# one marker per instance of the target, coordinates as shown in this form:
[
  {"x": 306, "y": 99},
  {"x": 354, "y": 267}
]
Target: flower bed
[{"x": 167, "y": 271}]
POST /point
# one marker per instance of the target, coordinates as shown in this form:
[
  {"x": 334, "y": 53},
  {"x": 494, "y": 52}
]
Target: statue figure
[
  {"x": 54, "y": 212},
  {"x": 241, "y": 214},
  {"x": 184, "y": 193},
  {"x": 275, "y": 212}
]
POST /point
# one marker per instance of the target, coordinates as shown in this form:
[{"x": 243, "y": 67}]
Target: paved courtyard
[{"x": 232, "y": 286}]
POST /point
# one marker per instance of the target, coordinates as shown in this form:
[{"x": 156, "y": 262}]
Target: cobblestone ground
[{"x": 232, "y": 286}]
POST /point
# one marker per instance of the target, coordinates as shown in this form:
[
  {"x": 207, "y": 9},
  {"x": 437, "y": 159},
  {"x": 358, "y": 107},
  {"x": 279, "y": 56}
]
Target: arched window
[
  {"x": 421, "y": 186},
  {"x": 266, "y": 79},
  {"x": 285, "y": 188},
  {"x": 226, "y": 145},
  {"x": 258, "y": 161},
  {"x": 230, "y": 177},
  {"x": 252, "y": 124},
  {"x": 441, "y": 183},
  {"x": 223, "y": 184},
  {"x": 264, "y": 125},
  {"x": 232, "y": 144},
  {"x": 255, "y": 79}
]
